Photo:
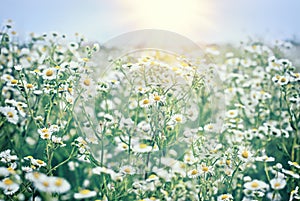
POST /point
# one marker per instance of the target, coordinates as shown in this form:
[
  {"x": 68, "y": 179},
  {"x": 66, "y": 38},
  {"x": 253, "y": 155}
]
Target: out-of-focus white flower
[
  {"x": 6, "y": 156},
  {"x": 278, "y": 183},
  {"x": 294, "y": 164},
  {"x": 127, "y": 169},
  {"x": 84, "y": 193},
  {"x": 232, "y": 113},
  {"x": 9, "y": 186},
  {"x": 291, "y": 173}
]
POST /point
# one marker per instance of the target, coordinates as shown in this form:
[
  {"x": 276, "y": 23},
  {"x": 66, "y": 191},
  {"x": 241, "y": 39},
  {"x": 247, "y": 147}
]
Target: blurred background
[{"x": 203, "y": 21}]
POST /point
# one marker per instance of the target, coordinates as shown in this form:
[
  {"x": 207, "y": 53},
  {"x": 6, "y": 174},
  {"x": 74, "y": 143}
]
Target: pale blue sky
[{"x": 200, "y": 20}]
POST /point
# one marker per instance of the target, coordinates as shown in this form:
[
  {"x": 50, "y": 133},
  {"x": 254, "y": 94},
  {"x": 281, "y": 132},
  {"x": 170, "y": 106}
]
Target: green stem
[{"x": 63, "y": 162}]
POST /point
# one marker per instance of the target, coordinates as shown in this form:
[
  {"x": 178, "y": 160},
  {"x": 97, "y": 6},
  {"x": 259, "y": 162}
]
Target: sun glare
[{"x": 175, "y": 15}]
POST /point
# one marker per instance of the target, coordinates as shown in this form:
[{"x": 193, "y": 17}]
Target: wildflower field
[{"x": 152, "y": 126}]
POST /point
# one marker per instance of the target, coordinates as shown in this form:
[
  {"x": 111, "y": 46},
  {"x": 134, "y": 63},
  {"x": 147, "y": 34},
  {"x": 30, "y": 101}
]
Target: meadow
[{"x": 153, "y": 126}]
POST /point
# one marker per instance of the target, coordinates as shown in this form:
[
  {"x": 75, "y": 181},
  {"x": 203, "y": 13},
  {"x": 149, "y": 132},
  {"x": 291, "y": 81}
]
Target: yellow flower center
[
  {"x": 204, "y": 169},
  {"x": 29, "y": 86},
  {"x": 143, "y": 146},
  {"x": 14, "y": 82},
  {"x": 157, "y": 98},
  {"x": 8, "y": 182},
  {"x": 210, "y": 127},
  {"x": 70, "y": 90},
  {"x": 153, "y": 176},
  {"x": 228, "y": 162},
  {"x": 10, "y": 114},
  {"x": 87, "y": 82},
  {"x": 84, "y": 191},
  {"x": 245, "y": 154},
  {"x": 224, "y": 197},
  {"x": 277, "y": 184},
  {"x": 11, "y": 170},
  {"x": 127, "y": 170},
  {"x": 58, "y": 182},
  {"x": 46, "y": 135},
  {"x": 254, "y": 184},
  {"x": 36, "y": 175},
  {"x": 46, "y": 184},
  {"x": 40, "y": 161},
  {"x": 124, "y": 146},
  {"x": 152, "y": 198},
  {"x": 178, "y": 119},
  {"x": 49, "y": 72},
  {"x": 194, "y": 172},
  {"x": 182, "y": 165},
  {"x": 231, "y": 113},
  {"x": 85, "y": 59},
  {"x": 45, "y": 130},
  {"x": 283, "y": 79},
  {"x": 146, "y": 101}
]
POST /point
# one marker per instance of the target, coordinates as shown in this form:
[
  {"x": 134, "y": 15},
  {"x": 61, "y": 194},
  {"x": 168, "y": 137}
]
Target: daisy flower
[
  {"x": 145, "y": 103},
  {"x": 244, "y": 154},
  {"x": 205, "y": 169},
  {"x": 193, "y": 173},
  {"x": 54, "y": 128},
  {"x": 143, "y": 148},
  {"x": 157, "y": 98},
  {"x": 49, "y": 73},
  {"x": 45, "y": 133},
  {"x": 189, "y": 158},
  {"x": 283, "y": 80},
  {"x": 127, "y": 169},
  {"x": 178, "y": 119},
  {"x": 9, "y": 186},
  {"x": 10, "y": 113},
  {"x": 38, "y": 163},
  {"x": 294, "y": 164},
  {"x": 84, "y": 193},
  {"x": 225, "y": 197},
  {"x": 6, "y": 156},
  {"x": 73, "y": 46},
  {"x": 86, "y": 82},
  {"x": 255, "y": 185},
  {"x": 142, "y": 90},
  {"x": 232, "y": 113},
  {"x": 265, "y": 158},
  {"x": 34, "y": 176},
  {"x": 59, "y": 185},
  {"x": 152, "y": 177},
  {"x": 121, "y": 146},
  {"x": 278, "y": 183},
  {"x": 43, "y": 184},
  {"x": 209, "y": 127},
  {"x": 13, "y": 82}
]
